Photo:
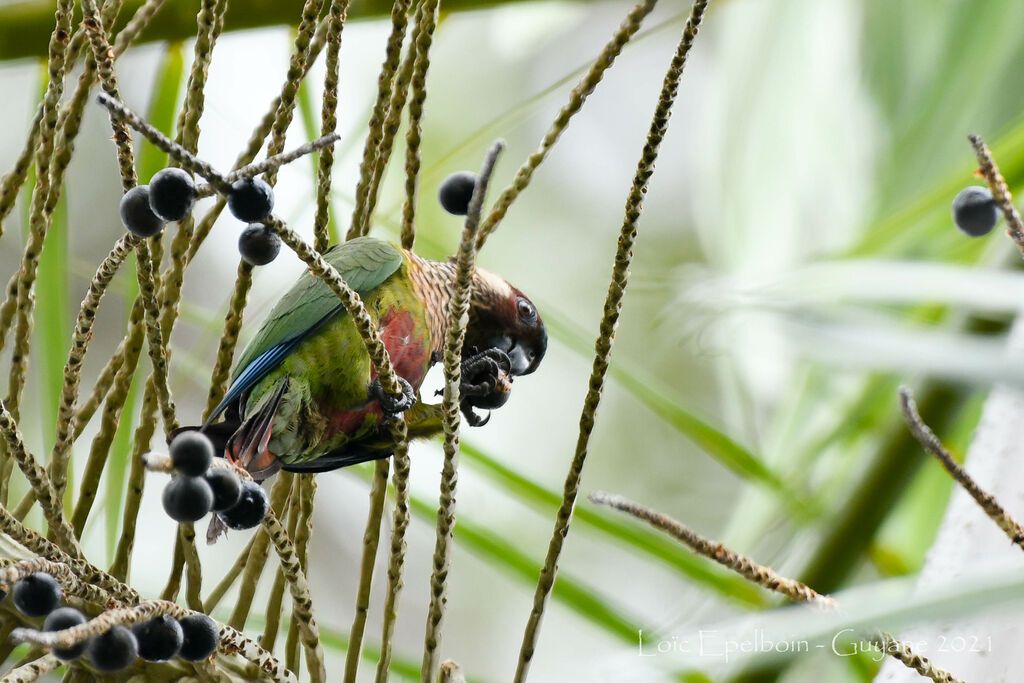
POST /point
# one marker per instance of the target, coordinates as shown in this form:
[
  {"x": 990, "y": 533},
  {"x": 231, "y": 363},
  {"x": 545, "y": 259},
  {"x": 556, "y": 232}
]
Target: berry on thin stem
[
  {"x": 455, "y": 192},
  {"x": 201, "y": 637},
  {"x": 259, "y": 245},
  {"x": 172, "y": 194},
  {"x": 975, "y": 211},
  {"x": 159, "y": 639},
  {"x": 251, "y": 199},
  {"x": 60, "y": 619},
  {"x": 137, "y": 216},
  {"x": 191, "y": 453},
  {"x": 187, "y": 499},
  {"x": 114, "y": 650},
  {"x": 250, "y": 509},
  {"x": 37, "y": 594}
]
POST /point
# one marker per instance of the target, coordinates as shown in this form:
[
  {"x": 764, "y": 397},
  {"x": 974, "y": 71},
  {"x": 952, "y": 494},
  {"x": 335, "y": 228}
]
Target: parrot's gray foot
[
  {"x": 392, "y": 405},
  {"x": 483, "y": 372}
]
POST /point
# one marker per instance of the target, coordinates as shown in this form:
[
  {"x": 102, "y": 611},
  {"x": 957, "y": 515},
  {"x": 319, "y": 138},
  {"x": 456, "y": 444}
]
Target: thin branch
[
  {"x": 336, "y": 15},
  {"x": 457, "y": 320},
  {"x": 603, "y": 346},
  {"x": 926, "y": 437},
  {"x": 1000, "y": 191}
]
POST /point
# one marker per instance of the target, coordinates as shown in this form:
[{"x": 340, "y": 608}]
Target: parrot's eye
[{"x": 527, "y": 313}]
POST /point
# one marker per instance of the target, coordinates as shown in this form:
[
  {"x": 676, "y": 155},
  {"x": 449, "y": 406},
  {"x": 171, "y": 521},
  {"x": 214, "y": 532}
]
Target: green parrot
[{"x": 304, "y": 395}]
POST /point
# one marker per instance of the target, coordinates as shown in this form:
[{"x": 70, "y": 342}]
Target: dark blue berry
[
  {"x": 60, "y": 619},
  {"x": 251, "y": 199},
  {"x": 975, "y": 211},
  {"x": 136, "y": 215},
  {"x": 114, "y": 650},
  {"x": 187, "y": 499},
  {"x": 259, "y": 245},
  {"x": 455, "y": 192},
  {"x": 37, "y": 594},
  {"x": 172, "y": 194},
  {"x": 159, "y": 639},
  {"x": 226, "y": 487},
  {"x": 201, "y": 637},
  {"x": 191, "y": 453},
  {"x": 250, "y": 509}
]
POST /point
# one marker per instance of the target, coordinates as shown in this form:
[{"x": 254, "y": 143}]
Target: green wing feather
[{"x": 364, "y": 263}]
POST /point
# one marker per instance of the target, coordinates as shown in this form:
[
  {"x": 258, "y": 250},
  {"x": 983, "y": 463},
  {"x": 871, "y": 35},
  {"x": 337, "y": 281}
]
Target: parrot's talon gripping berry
[
  {"x": 251, "y": 199},
  {"x": 172, "y": 194},
  {"x": 455, "y": 192},
  {"x": 114, "y": 650},
  {"x": 472, "y": 419},
  {"x": 36, "y": 595},
  {"x": 137, "y": 216},
  {"x": 392, "y": 405},
  {"x": 975, "y": 211},
  {"x": 60, "y": 619},
  {"x": 259, "y": 245}
]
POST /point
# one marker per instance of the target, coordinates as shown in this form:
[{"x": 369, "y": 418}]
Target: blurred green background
[{"x": 796, "y": 262}]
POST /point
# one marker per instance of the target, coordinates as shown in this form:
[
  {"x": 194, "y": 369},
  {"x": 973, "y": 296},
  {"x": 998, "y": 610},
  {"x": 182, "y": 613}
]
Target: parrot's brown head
[{"x": 502, "y": 317}]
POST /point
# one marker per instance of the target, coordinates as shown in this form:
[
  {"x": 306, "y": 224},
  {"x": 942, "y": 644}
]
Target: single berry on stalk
[
  {"x": 60, "y": 619},
  {"x": 201, "y": 637},
  {"x": 37, "y": 594},
  {"x": 250, "y": 509},
  {"x": 251, "y": 199},
  {"x": 114, "y": 650},
  {"x": 975, "y": 211},
  {"x": 172, "y": 194},
  {"x": 187, "y": 499},
  {"x": 226, "y": 487},
  {"x": 137, "y": 216},
  {"x": 191, "y": 453},
  {"x": 159, "y": 639},
  {"x": 259, "y": 245},
  {"x": 455, "y": 192}
]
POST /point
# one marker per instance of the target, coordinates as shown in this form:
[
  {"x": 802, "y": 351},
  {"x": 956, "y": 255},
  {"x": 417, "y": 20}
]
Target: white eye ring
[{"x": 526, "y": 309}]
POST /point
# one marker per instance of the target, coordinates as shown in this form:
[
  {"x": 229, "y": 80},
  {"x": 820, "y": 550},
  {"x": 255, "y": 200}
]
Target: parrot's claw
[
  {"x": 472, "y": 418},
  {"x": 392, "y": 405},
  {"x": 480, "y": 373}
]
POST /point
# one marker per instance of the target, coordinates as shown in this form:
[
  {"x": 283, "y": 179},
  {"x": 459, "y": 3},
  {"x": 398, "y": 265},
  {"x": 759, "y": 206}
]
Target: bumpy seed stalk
[
  {"x": 393, "y": 52},
  {"x": 1000, "y": 190},
  {"x": 328, "y": 121},
  {"x": 228, "y": 339},
  {"x": 577, "y": 97},
  {"x": 458, "y": 317},
  {"x": 10, "y": 184},
  {"x": 603, "y": 346},
  {"x": 69, "y": 581},
  {"x": 26, "y": 673},
  {"x": 421, "y": 41},
  {"x": 371, "y": 539}
]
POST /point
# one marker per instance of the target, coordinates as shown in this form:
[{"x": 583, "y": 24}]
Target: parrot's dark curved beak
[{"x": 526, "y": 358}]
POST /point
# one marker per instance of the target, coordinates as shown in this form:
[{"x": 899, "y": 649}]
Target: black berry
[
  {"x": 975, "y": 211},
  {"x": 187, "y": 499},
  {"x": 172, "y": 194},
  {"x": 455, "y": 192},
  {"x": 259, "y": 245},
  {"x": 114, "y": 650},
  {"x": 251, "y": 199},
  {"x": 191, "y": 453},
  {"x": 159, "y": 639},
  {"x": 37, "y": 594},
  {"x": 250, "y": 509},
  {"x": 60, "y": 619},
  {"x": 136, "y": 215},
  {"x": 226, "y": 487},
  {"x": 201, "y": 637}
]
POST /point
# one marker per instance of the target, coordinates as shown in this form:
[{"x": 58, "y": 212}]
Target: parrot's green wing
[{"x": 364, "y": 263}]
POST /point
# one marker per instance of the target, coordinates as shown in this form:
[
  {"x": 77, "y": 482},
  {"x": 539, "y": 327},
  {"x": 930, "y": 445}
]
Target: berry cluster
[
  {"x": 196, "y": 488},
  {"x": 172, "y": 194},
  {"x": 975, "y": 211},
  {"x": 193, "y": 638}
]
